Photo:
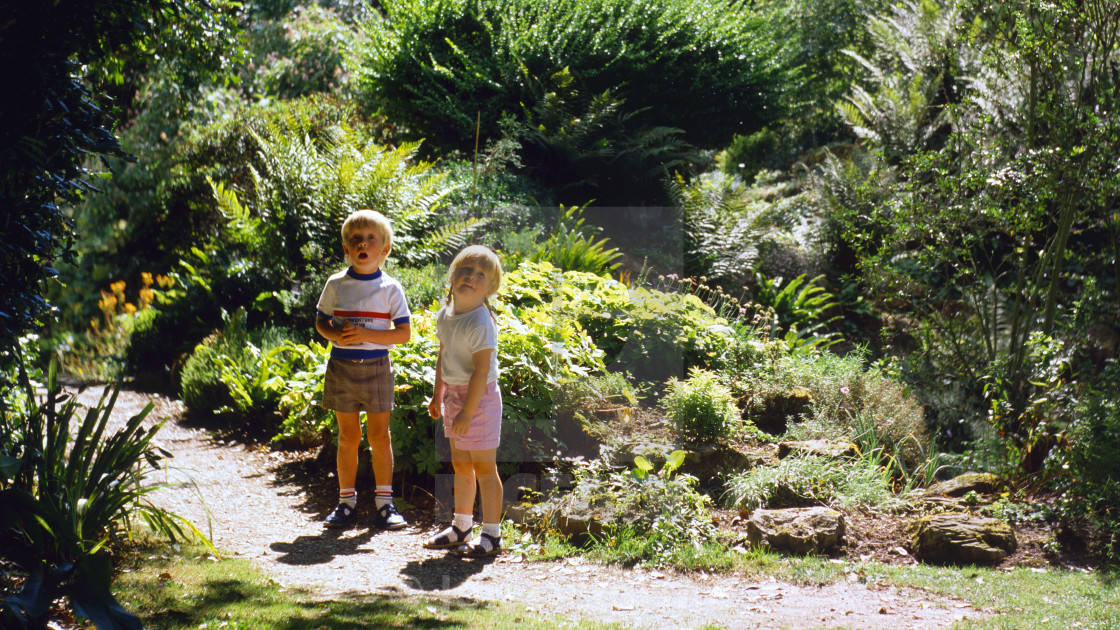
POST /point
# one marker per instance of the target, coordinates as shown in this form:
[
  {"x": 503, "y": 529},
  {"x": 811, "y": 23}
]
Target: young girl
[{"x": 467, "y": 397}]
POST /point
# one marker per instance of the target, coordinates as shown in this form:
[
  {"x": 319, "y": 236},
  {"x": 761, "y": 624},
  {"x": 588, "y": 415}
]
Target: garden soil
[{"x": 255, "y": 507}]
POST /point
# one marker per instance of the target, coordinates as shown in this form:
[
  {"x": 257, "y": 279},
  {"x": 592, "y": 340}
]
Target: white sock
[
  {"x": 494, "y": 529},
  {"x": 349, "y": 496},
  {"x": 464, "y": 522},
  {"x": 384, "y": 494}
]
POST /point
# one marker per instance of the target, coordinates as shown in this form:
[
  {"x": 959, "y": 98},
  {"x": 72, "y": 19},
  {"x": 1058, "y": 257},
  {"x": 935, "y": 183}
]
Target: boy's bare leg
[
  {"x": 349, "y": 438},
  {"x": 380, "y": 446}
]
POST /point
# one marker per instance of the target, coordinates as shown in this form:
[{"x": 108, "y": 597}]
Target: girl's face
[
  {"x": 366, "y": 249},
  {"x": 470, "y": 284}
]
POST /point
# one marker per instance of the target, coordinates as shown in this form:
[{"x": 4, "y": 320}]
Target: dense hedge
[{"x": 441, "y": 67}]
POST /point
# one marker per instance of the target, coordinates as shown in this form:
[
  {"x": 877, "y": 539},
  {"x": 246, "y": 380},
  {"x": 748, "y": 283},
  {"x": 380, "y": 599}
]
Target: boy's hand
[
  {"x": 461, "y": 424},
  {"x": 434, "y": 409},
  {"x": 350, "y": 334}
]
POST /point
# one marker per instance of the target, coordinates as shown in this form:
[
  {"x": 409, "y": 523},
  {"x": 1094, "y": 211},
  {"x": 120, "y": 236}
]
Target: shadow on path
[
  {"x": 321, "y": 549},
  {"x": 442, "y": 573}
]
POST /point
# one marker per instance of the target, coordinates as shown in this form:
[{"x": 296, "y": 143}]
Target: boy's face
[{"x": 366, "y": 249}]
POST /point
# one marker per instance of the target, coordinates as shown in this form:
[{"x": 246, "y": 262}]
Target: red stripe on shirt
[{"x": 361, "y": 314}]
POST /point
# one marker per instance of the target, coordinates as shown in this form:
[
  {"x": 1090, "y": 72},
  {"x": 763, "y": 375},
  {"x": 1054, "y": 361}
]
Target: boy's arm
[
  {"x": 325, "y": 326},
  {"x": 476, "y": 387},
  {"x": 397, "y": 335}
]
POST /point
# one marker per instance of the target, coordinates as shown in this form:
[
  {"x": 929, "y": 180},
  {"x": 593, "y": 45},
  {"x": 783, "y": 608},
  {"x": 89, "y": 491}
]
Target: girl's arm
[
  {"x": 435, "y": 408},
  {"x": 480, "y": 366}
]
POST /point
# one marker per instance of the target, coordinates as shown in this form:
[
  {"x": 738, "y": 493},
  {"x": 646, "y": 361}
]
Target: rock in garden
[
  {"x": 980, "y": 483},
  {"x": 819, "y": 448},
  {"x": 778, "y": 410},
  {"x": 798, "y": 530},
  {"x": 706, "y": 462},
  {"x": 655, "y": 452},
  {"x": 961, "y": 539},
  {"x": 712, "y": 461}
]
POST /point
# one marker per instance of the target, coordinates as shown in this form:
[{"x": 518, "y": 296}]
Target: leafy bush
[
  {"x": 747, "y": 155},
  {"x": 650, "y": 333},
  {"x": 66, "y": 497},
  {"x": 426, "y": 286},
  {"x": 802, "y": 309},
  {"x": 287, "y": 212},
  {"x": 692, "y": 63},
  {"x": 844, "y": 399},
  {"x": 599, "y": 149},
  {"x": 1093, "y": 462},
  {"x": 242, "y": 373},
  {"x": 808, "y": 481},
  {"x": 702, "y": 409},
  {"x": 573, "y": 246},
  {"x": 597, "y": 391},
  {"x": 302, "y": 53},
  {"x": 649, "y": 517}
]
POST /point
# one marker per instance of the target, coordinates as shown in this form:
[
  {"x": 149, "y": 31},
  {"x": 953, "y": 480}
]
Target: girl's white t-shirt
[{"x": 462, "y": 335}]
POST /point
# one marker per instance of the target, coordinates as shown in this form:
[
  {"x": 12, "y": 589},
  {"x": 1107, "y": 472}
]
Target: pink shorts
[{"x": 486, "y": 425}]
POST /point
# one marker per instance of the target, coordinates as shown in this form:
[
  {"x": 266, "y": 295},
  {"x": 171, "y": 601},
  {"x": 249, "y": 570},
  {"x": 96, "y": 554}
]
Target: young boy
[{"x": 363, "y": 312}]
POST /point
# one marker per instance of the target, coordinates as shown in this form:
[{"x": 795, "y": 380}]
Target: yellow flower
[
  {"x": 118, "y": 287},
  {"x": 146, "y": 278},
  {"x": 129, "y": 308}
]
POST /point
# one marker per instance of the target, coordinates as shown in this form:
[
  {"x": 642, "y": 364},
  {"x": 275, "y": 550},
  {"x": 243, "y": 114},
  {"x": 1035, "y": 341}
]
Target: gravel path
[{"x": 254, "y": 513}]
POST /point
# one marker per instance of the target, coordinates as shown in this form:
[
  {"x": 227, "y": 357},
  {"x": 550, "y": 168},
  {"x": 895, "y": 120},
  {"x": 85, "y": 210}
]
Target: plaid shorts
[{"x": 351, "y": 386}]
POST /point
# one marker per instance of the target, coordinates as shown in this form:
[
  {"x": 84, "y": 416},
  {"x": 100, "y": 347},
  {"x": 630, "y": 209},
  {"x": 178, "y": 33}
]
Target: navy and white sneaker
[
  {"x": 344, "y": 516},
  {"x": 387, "y": 517}
]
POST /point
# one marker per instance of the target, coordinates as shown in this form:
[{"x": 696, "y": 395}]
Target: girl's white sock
[
  {"x": 349, "y": 496},
  {"x": 494, "y": 529},
  {"x": 463, "y": 522}
]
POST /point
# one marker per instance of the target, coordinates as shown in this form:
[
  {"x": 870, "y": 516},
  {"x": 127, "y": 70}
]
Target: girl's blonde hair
[
  {"x": 483, "y": 258},
  {"x": 367, "y": 218}
]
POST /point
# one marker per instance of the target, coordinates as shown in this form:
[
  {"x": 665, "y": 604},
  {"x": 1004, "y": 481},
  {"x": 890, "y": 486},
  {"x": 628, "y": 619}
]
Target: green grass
[
  {"x": 1021, "y": 598},
  {"x": 172, "y": 590}
]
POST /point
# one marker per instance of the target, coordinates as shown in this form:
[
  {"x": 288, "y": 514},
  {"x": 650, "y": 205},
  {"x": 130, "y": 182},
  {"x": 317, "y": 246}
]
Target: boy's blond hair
[{"x": 367, "y": 218}]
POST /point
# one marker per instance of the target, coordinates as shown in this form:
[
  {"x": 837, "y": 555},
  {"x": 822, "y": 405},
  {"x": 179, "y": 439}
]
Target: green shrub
[
  {"x": 425, "y": 287},
  {"x": 440, "y": 67},
  {"x": 1091, "y": 467},
  {"x": 748, "y": 154},
  {"x": 651, "y": 334},
  {"x": 648, "y": 517},
  {"x": 596, "y": 391},
  {"x": 300, "y": 54},
  {"x": 573, "y": 246},
  {"x": 809, "y": 481},
  {"x": 69, "y": 488},
  {"x": 846, "y": 398},
  {"x": 701, "y": 408},
  {"x": 801, "y": 309},
  {"x": 242, "y": 373}
]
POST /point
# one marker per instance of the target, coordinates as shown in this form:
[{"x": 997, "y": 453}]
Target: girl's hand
[
  {"x": 461, "y": 424},
  {"x": 434, "y": 409}
]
